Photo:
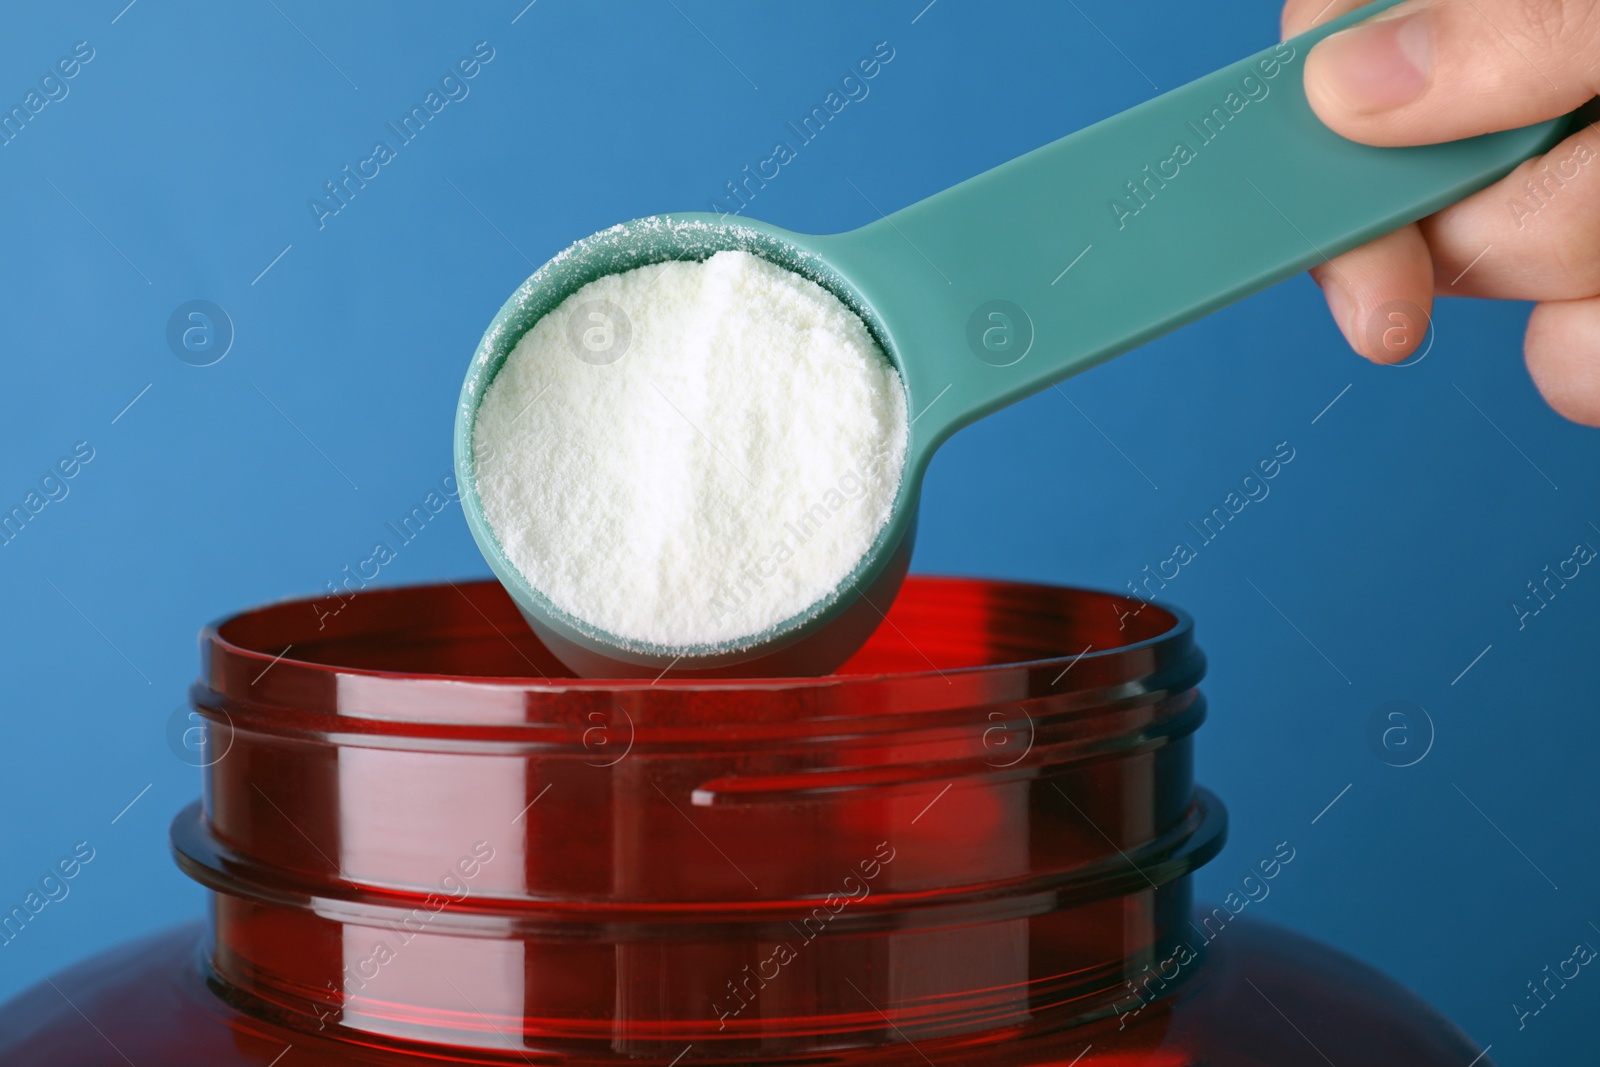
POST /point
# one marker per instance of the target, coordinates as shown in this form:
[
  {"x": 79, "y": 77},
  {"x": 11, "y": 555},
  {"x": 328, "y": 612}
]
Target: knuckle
[
  {"x": 1544, "y": 19},
  {"x": 1547, "y": 23}
]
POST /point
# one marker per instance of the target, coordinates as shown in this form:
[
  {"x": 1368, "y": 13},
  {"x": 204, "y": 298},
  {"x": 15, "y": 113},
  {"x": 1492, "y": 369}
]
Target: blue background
[{"x": 1384, "y": 561}]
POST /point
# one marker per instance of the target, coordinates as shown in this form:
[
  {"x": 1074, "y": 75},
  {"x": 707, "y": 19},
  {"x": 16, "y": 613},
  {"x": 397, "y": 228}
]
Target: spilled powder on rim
[{"x": 717, "y": 463}]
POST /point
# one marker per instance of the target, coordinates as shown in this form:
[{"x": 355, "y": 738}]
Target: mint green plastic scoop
[{"x": 1018, "y": 278}]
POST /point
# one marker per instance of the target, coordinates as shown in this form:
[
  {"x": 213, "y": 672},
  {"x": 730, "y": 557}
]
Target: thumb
[{"x": 1426, "y": 71}]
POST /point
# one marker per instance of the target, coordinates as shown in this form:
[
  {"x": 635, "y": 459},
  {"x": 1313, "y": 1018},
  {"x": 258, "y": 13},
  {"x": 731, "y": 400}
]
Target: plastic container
[{"x": 971, "y": 846}]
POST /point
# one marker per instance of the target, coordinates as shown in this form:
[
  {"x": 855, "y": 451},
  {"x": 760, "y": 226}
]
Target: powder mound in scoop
[{"x": 690, "y": 453}]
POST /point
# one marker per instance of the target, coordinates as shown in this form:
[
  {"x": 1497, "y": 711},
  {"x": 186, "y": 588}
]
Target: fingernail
[{"x": 1380, "y": 64}]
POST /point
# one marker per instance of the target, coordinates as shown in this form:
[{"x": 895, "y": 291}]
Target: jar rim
[{"x": 1001, "y": 641}]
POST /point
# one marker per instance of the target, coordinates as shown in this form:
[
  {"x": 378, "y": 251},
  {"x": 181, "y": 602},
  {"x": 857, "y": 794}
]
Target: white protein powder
[{"x": 691, "y": 452}]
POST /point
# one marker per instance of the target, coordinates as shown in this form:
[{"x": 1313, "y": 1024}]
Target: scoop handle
[{"x": 1062, "y": 258}]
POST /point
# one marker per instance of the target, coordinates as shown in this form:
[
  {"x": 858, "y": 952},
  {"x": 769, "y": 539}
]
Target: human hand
[{"x": 1426, "y": 71}]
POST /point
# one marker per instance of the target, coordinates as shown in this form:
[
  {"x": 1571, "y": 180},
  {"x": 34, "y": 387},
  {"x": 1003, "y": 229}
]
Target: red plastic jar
[{"x": 971, "y": 846}]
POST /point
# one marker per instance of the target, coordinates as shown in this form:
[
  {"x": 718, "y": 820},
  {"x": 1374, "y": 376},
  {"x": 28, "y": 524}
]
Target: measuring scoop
[{"x": 1016, "y": 279}]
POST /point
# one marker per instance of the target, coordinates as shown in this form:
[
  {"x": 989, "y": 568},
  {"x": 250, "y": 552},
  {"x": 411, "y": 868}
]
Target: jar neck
[{"x": 1015, "y": 858}]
